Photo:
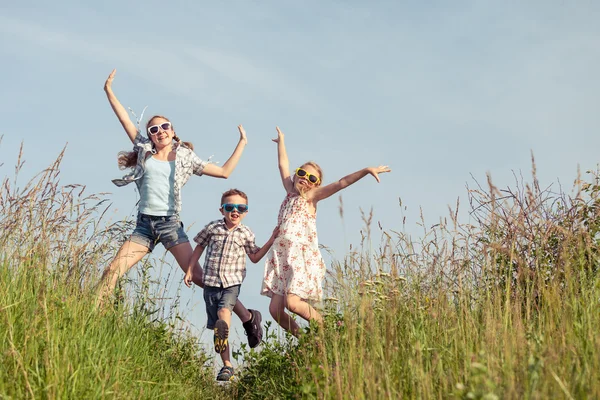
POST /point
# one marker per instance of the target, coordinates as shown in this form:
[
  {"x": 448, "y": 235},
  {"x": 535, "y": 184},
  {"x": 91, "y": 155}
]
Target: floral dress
[{"x": 294, "y": 263}]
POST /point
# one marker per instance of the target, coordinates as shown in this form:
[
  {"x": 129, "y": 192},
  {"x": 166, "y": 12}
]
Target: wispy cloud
[{"x": 178, "y": 67}]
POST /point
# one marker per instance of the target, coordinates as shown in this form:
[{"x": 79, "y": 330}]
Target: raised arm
[
  {"x": 324, "y": 192},
  {"x": 284, "y": 163},
  {"x": 227, "y": 168},
  {"x": 118, "y": 108},
  {"x": 192, "y": 264},
  {"x": 256, "y": 257}
]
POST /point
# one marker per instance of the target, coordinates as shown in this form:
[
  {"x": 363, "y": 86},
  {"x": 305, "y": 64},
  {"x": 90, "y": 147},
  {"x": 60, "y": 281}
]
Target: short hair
[{"x": 233, "y": 192}]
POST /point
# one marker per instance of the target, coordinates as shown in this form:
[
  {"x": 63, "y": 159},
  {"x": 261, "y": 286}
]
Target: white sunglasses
[{"x": 153, "y": 130}]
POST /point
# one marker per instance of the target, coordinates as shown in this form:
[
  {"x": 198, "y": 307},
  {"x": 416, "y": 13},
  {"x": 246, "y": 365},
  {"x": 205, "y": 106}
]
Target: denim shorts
[
  {"x": 150, "y": 230},
  {"x": 217, "y": 298}
]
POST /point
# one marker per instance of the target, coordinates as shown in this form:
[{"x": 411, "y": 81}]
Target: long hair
[{"x": 128, "y": 159}]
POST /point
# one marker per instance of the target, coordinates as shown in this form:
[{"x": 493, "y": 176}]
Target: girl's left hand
[
  {"x": 375, "y": 171},
  {"x": 242, "y": 133}
]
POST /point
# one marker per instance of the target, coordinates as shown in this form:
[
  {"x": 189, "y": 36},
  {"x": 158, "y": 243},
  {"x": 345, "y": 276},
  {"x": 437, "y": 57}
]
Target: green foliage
[
  {"x": 505, "y": 306},
  {"x": 274, "y": 372},
  {"x": 54, "y": 341}
]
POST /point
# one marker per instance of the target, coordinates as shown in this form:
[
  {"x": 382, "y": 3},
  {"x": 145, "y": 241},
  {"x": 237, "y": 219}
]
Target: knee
[
  {"x": 293, "y": 304},
  {"x": 276, "y": 310},
  {"x": 224, "y": 314},
  {"x": 110, "y": 270}
]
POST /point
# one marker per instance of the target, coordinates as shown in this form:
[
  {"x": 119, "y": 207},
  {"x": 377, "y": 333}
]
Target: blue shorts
[
  {"x": 217, "y": 298},
  {"x": 150, "y": 230}
]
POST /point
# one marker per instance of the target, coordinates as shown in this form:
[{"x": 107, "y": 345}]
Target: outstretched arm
[
  {"x": 227, "y": 168},
  {"x": 324, "y": 192},
  {"x": 284, "y": 163},
  {"x": 118, "y": 108},
  {"x": 192, "y": 264},
  {"x": 256, "y": 257}
]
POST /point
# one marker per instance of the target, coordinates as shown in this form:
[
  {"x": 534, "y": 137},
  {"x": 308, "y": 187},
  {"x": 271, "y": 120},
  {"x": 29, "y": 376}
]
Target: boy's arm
[
  {"x": 324, "y": 192},
  {"x": 192, "y": 264},
  {"x": 227, "y": 168},
  {"x": 256, "y": 257},
  {"x": 284, "y": 163},
  {"x": 118, "y": 108}
]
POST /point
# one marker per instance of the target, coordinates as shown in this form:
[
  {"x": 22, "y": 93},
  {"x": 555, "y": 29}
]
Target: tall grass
[
  {"x": 506, "y": 305},
  {"x": 503, "y": 305},
  {"x": 54, "y": 342}
]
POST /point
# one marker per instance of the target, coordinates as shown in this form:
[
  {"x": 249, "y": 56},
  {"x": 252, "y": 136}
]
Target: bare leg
[
  {"x": 277, "y": 310},
  {"x": 300, "y": 307},
  {"x": 129, "y": 254},
  {"x": 182, "y": 253},
  {"x": 225, "y": 315}
]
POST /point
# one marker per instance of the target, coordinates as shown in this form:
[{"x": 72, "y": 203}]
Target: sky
[{"x": 442, "y": 92}]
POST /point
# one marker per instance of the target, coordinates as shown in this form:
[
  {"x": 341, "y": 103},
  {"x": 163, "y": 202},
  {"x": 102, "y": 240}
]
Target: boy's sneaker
[
  {"x": 253, "y": 329},
  {"x": 225, "y": 374},
  {"x": 221, "y": 335}
]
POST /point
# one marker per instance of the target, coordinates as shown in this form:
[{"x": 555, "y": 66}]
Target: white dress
[{"x": 294, "y": 263}]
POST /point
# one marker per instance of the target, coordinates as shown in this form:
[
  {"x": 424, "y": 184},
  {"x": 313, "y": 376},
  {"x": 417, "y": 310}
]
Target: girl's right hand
[
  {"x": 242, "y": 134},
  {"x": 108, "y": 83},
  {"x": 279, "y": 135}
]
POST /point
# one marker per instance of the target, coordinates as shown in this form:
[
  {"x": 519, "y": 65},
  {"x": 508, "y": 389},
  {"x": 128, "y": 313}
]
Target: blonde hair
[
  {"x": 316, "y": 166},
  {"x": 128, "y": 159}
]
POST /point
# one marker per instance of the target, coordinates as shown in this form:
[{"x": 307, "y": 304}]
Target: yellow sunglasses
[{"x": 311, "y": 178}]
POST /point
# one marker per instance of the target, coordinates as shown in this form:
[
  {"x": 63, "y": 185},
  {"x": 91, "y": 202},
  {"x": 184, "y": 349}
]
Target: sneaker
[
  {"x": 225, "y": 374},
  {"x": 253, "y": 329},
  {"x": 221, "y": 335}
]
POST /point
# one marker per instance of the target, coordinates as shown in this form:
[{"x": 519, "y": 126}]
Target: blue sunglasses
[{"x": 229, "y": 207}]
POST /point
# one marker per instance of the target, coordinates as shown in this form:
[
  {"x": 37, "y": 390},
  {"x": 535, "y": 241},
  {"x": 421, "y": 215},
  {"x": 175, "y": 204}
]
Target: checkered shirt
[{"x": 225, "y": 259}]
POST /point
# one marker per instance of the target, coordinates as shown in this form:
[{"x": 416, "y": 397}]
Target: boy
[{"x": 227, "y": 242}]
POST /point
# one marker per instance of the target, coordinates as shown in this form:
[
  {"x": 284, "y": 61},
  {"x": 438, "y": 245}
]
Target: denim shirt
[{"x": 186, "y": 164}]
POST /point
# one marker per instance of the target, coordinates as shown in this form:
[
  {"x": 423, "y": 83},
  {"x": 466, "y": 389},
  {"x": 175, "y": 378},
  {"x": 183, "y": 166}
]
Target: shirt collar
[{"x": 224, "y": 224}]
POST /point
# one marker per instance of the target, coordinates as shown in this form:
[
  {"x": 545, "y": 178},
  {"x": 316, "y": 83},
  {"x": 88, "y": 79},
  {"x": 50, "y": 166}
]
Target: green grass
[
  {"x": 55, "y": 344},
  {"x": 505, "y": 306}
]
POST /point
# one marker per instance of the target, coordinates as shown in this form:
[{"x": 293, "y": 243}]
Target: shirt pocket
[
  {"x": 218, "y": 243},
  {"x": 238, "y": 245}
]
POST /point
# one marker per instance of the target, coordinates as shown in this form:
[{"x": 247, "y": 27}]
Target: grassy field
[{"x": 504, "y": 306}]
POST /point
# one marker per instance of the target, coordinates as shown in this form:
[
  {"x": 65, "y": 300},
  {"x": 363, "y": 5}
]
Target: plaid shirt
[
  {"x": 225, "y": 260},
  {"x": 186, "y": 164}
]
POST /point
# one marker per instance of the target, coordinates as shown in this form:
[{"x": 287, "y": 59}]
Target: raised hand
[
  {"x": 108, "y": 83},
  {"x": 279, "y": 135},
  {"x": 242, "y": 133},
  {"x": 375, "y": 171}
]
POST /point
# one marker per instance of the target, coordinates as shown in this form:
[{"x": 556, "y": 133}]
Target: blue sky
[{"x": 440, "y": 91}]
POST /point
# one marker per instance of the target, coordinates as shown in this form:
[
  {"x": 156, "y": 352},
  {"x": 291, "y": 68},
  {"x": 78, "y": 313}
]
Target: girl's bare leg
[
  {"x": 182, "y": 253},
  {"x": 300, "y": 307},
  {"x": 129, "y": 254},
  {"x": 277, "y": 310}
]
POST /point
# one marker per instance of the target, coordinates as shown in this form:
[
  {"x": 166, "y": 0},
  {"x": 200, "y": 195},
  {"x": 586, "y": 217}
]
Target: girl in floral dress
[{"x": 295, "y": 269}]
